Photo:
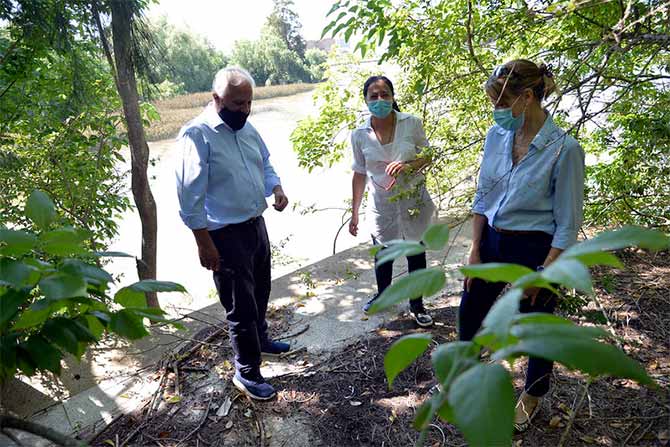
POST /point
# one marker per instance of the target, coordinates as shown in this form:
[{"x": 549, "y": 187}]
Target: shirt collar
[
  {"x": 400, "y": 116},
  {"x": 546, "y": 134}
]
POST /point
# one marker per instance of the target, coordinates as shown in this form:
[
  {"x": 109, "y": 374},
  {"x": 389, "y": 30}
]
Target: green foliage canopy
[{"x": 610, "y": 59}]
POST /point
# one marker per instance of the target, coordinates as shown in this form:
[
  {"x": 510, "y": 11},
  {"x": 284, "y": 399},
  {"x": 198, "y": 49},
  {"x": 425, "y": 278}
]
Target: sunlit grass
[{"x": 177, "y": 111}]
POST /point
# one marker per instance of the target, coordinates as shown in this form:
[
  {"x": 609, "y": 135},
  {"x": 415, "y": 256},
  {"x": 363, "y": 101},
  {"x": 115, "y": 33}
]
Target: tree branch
[
  {"x": 468, "y": 28},
  {"x": 39, "y": 430}
]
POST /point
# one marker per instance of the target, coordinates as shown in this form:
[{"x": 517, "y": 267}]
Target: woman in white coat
[{"x": 386, "y": 149}]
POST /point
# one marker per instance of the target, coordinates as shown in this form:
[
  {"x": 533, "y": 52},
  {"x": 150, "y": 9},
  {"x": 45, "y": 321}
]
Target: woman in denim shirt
[{"x": 528, "y": 206}]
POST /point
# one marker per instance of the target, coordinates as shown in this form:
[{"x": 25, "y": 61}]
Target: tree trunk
[{"x": 122, "y": 15}]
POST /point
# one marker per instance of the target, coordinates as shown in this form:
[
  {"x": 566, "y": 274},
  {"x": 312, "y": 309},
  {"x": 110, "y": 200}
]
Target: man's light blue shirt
[
  {"x": 223, "y": 176},
  {"x": 543, "y": 192}
]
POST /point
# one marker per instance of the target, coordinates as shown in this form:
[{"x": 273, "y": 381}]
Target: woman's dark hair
[{"x": 372, "y": 79}]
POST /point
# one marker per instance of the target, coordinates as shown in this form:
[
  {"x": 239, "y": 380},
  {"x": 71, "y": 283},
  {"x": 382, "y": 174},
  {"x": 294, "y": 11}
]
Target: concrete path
[{"x": 326, "y": 297}]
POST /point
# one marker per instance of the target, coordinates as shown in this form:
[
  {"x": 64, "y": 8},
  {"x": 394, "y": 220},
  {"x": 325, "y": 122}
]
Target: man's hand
[
  {"x": 353, "y": 225},
  {"x": 473, "y": 259},
  {"x": 209, "y": 255},
  {"x": 280, "y": 198},
  {"x": 395, "y": 167}
]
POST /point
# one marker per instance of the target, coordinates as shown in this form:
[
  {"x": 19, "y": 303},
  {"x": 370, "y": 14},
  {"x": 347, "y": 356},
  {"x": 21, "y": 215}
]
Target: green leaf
[
  {"x": 151, "y": 285},
  {"x": 627, "y": 236},
  {"x": 495, "y": 327},
  {"x": 8, "y": 356},
  {"x": 43, "y": 354},
  {"x": 436, "y": 236},
  {"x": 347, "y": 34},
  {"x": 496, "y": 272},
  {"x": 403, "y": 352},
  {"x": 15, "y": 242},
  {"x": 91, "y": 273},
  {"x": 60, "y": 286},
  {"x": 540, "y": 318},
  {"x": 502, "y": 314},
  {"x": 94, "y": 325},
  {"x": 127, "y": 324},
  {"x": 40, "y": 209},
  {"x": 585, "y": 354},
  {"x": 482, "y": 400},
  {"x": 32, "y": 317},
  {"x": 420, "y": 283},
  {"x": 17, "y": 274},
  {"x": 112, "y": 254},
  {"x": 424, "y": 415},
  {"x": 599, "y": 258},
  {"x": 569, "y": 273},
  {"x": 155, "y": 315},
  {"x": 67, "y": 333},
  {"x": 339, "y": 28},
  {"x": 531, "y": 330},
  {"x": 451, "y": 359},
  {"x": 397, "y": 249},
  {"x": 10, "y": 301},
  {"x": 62, "y": 242},
  {"x": 127, "y": 297}
]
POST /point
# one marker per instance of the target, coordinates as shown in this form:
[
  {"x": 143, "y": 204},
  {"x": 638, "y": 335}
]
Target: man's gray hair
[{"x": 230, "y": 76}]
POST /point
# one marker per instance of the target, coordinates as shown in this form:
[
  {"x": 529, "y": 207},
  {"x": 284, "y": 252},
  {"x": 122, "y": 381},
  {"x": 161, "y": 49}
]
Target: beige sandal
[{"x": 522, "y": 418}]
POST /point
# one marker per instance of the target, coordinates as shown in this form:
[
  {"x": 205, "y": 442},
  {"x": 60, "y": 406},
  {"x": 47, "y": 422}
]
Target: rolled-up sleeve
[
  {"x": 270, "y": 177},
  {"x": 568, "y": 195},
  {"x": 359, "y": 159},
  {"x": 192, "y": 174}
]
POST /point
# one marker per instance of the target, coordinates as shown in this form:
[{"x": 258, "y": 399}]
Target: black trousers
[
  {"x": 243, "y": 282},
  {"x": 384, "y": 274},
  {"x": 529, "y": 250}
]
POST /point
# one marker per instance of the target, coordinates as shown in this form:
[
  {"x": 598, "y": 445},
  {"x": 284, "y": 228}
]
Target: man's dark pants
[
  {"x": 243, "y": 282},
  {"x": 529, "y": 250}
]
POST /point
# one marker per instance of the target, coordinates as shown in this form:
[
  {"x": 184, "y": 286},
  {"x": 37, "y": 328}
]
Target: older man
[{"x": 223, "y": 178}]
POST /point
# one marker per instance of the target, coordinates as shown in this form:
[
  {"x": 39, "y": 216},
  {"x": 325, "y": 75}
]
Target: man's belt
[{"x": 520, "y": 232}]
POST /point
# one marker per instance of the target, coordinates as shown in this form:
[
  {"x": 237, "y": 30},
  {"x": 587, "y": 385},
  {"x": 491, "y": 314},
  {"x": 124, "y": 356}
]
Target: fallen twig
[
  {"x": 564, "y": 436},
  {"x": 202, "y": 422},
  {"x": 295, "y": 334},
  {"x": 259, "y": 424},
  {"x": 644, "y": 432},
  {"x": 294, "y": 352}
]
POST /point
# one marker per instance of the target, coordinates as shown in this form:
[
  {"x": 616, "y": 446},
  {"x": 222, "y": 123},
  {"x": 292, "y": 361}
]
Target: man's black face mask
[{"x": 235, "y": 120}]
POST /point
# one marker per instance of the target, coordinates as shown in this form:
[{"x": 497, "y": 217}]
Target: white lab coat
[{"x": 406, "y": 218}]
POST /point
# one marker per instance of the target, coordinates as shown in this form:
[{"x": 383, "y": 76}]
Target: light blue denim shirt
[
  {"x": 543, "y": 192},
  {"x": 223, "y": 176}
]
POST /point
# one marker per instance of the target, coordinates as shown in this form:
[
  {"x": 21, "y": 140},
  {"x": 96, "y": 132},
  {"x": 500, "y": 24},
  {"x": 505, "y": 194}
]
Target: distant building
[{"x": 326, "y": 44}]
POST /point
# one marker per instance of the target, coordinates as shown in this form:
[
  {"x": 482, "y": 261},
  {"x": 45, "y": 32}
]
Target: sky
[{"x": 223, "y": 22}]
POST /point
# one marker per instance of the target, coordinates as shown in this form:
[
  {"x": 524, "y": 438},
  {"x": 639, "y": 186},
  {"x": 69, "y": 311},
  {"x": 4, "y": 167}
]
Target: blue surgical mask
[
  {"x": 505, "y": 119},
  {"x": 380, "y": 108}
]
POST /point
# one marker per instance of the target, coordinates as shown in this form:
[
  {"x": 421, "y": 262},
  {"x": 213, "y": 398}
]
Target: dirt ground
[{"x": 344, "y": 400}]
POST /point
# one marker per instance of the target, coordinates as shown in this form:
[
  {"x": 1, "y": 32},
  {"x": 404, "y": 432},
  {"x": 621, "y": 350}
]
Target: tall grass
[{"x": 177, "y": 111}]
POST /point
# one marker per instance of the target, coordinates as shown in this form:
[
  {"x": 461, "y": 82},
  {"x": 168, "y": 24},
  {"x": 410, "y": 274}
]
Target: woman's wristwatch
[{"x": 539, "y": 268}]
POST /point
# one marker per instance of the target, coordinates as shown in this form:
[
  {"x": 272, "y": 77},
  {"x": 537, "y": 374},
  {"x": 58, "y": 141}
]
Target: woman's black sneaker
[{"x": 421, "y": 316}]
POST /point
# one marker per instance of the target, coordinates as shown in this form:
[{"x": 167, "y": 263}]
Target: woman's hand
[
  {"x": 474, "y": 258},
  {"x": 353, "y": 224},
  {"x": 395, "y": 167}
]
